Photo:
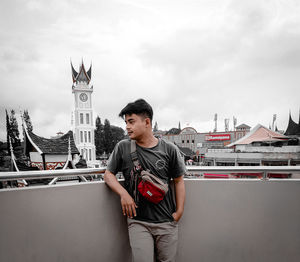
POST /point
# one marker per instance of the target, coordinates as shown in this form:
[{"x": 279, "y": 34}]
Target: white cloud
[{"x": 188, "y": 59}]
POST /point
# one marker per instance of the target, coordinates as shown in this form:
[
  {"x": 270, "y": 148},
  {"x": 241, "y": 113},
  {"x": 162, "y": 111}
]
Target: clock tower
[{"x": 82, "y": 120}]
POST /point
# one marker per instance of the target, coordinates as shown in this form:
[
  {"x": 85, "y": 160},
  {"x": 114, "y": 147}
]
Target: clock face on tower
[{"x": 83, "y": 97}]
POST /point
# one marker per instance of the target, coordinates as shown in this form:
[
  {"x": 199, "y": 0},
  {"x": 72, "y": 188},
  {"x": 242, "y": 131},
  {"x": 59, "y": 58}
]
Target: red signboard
[{"x": 222, "y": 137}]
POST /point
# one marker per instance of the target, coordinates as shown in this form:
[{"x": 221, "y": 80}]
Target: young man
[{"x": 153, "y": 229}]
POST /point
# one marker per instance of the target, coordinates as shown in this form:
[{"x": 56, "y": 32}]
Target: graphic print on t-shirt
[{"x": 160, "y": 164}]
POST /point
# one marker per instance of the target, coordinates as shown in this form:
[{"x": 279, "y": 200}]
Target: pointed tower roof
[
  {"x": 89, "y": 72},
  {"x": 82, "y": 75},
  {"x": 74, "y": 73},
  {"x": 69, "y": 163},
  {"x": 293, "y": 128}
]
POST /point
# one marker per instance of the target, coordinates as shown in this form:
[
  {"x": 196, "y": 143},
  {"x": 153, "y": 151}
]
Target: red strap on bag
[{"x": 149, "y": 186}]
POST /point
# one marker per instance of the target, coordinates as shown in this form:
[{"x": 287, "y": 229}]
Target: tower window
[
  {"x": 90, "y": 152},
  {"x": 81, "y": 118},
  {"x": 87, "y": 119},
  {"x": 81, "y": 136},
  {"x": 85, "y": 136},
  {"x": 89, "y": 136}
]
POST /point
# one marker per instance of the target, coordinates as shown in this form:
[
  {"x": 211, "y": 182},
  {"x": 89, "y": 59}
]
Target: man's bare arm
[
  {"x": 180, "y": 197},
  {"x": 127, "y": 202}
]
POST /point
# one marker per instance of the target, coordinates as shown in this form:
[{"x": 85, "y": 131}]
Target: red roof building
[{"x": 259, "y": 134}]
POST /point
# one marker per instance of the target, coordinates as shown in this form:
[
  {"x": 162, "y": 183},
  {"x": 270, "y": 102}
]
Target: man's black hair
[{"x": 138, "y": 107}]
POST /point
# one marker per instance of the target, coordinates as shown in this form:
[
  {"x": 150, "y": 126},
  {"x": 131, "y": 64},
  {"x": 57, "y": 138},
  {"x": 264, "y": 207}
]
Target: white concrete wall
[
  {"x": 35, "y": 157},
  {"x": 234, "y": 155},
  {"x": 228, "y": 221},
  {"x": 269, "y": 149},
  {"x": 56, "y": 158}
]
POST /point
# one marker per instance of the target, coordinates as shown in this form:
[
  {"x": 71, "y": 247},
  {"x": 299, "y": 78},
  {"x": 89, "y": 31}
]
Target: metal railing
[
  {"x": 265, "y": 170},
  {"x": 43, "y": 174},
  {"x": 6, "y": 176}
]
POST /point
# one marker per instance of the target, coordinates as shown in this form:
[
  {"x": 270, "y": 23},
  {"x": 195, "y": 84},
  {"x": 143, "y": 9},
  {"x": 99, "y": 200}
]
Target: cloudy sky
[{"x": 189, "y": 59}]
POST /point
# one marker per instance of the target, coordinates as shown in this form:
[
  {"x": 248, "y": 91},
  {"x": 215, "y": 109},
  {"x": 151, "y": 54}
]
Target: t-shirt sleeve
[
  {"x": 114, "y": 164},
  {"x": 178, "y": 167}
]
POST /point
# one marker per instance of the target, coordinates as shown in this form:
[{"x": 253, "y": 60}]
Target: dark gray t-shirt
[{"x": 164, "y": 161}]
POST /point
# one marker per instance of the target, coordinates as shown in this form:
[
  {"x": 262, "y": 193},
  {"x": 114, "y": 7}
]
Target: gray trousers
[{"x": 150, "y": 241}]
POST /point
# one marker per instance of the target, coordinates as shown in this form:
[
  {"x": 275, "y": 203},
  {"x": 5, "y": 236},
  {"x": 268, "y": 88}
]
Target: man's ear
[{"x": 148, "y": 121}]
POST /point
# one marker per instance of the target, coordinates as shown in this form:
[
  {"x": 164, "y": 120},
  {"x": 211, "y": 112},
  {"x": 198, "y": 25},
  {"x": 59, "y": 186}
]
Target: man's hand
[
  {"x": 127, "y": 202},
  {"x": 180, "y": 197},
  {"x": 177, "y": 215},
  {"x": 128, "y": 205}
]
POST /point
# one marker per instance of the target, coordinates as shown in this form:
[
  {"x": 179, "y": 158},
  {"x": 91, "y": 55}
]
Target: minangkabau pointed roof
[
  {"x": 74, "y": 73},
  {"x": 57, "y": 146},
  {"x": 293, "y": 128},
  {"x": 82, "y": 75}
]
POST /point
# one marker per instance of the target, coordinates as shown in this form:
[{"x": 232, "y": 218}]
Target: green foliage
[
  {"x": 117, "y": 133},
  {"x": 7, "y": 131},
  {"x": 27, "y": 120},
  {"x": 13, "y": 130},
  {"x": 107, "y": 136},
  {"x": 99, "y": 137},
  {"x": 3, "y": 153},
  {"x": 173, "y": 131}
]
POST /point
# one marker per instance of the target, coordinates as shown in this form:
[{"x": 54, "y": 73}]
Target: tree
[
  {"x": 173, "y": 131},
  {"x": 118, "y": 134},
  {"x": 7, "y": 131},
  {"x": 99, "y": 137},
  {"x": 13, "y": 130},
  {"x": 27, "y": 120},
  {"x": 108, "y": 137}
]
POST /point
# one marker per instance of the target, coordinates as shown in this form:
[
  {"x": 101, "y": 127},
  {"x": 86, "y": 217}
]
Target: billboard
[{"x": 222, "y": 137}]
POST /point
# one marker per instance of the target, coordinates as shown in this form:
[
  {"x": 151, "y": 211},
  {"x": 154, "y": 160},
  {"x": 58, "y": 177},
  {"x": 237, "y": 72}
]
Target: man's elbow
[
  {"x": 109, "y": 177},
  {"x": 179, "y": 180}
]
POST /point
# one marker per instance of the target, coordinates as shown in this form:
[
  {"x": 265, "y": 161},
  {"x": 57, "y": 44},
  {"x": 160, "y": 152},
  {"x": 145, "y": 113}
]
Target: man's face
[{"x": 136, "y": 125}]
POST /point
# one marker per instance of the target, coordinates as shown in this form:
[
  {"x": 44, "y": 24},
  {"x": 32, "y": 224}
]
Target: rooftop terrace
[{"x": 230, "y": 220}]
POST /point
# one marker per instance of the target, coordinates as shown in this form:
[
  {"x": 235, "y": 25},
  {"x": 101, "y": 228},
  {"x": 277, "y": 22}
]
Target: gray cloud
[{"x": 188, "y": 60}]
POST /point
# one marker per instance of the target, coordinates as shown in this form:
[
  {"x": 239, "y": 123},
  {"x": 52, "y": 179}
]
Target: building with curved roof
[{"x": 49, "y": 153}]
